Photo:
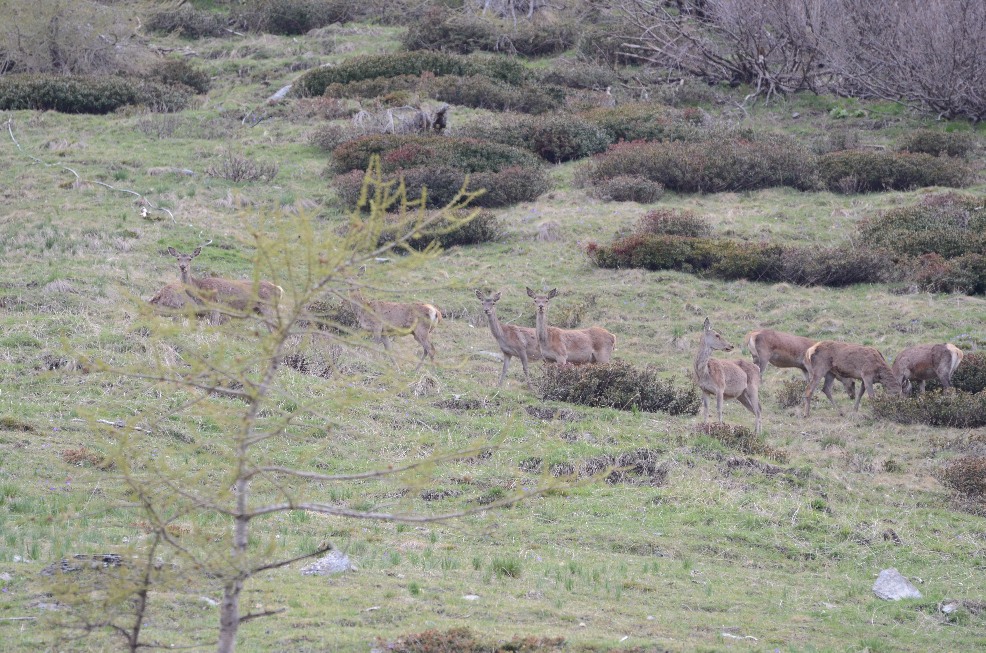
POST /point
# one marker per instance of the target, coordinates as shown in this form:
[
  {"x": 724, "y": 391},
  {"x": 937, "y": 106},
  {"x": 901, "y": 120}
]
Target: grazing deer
[
  {"x": 839, "y": 360},
  {"x": 780, "y": 349},
  {"x": 577, "y": 346},
  {"x": 217, "y": 292},
  {"x": 925, "y": 362},
  {"x": 725, "y": 379},
  {"x": 384, "y": 319},
  {"x": 514, "y": 340}
]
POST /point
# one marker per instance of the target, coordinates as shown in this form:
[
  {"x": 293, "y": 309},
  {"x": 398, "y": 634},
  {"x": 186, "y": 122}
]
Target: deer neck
[
  {"x": 702, "y": 359},
  {"x": 495, "y": 328},
  {"x": 541, "y": 323}
]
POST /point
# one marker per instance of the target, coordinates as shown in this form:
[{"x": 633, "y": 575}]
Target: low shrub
[
  {"x": 404, "y": 151},
  {"x": 645, "y": 122},
  {"x": 188, "y": 22},
  {"x": 290, "y": 16},
  {"x": 604, "y": 42},
  {"x": 966, "y": 475},
  {"x": 970, "y": 376},
  {"x": 572, "y": 73},
  {"x": 446, "y": 232},
  {"x": 742, "y": 439},
  {"x": 791, "y": 393},
  {"x": 616, "y": 385},
  {"x": 845, "y": 265},
  {"x": 462, "y": 640},
  {"x": 725, "y": 164},
  {"x": 481, "y": 92},
  {"x": 964, "y": 274},
  {"x": 937, "y": 143},
  {"x": 628, "y": 188},
  {"x": 959, "y": 410},
  {"x": 329, "y": 137},
  {"x": 95, "y": 95},
  {"x": 509, "y": 186},
  {"x": 863, "y": 171},
  {"x": 463, "y": 33},
  {"x": 179, "y": 71},
  {"x": 236, "y": 167},
  {"x": 674, "y": 222},
  {"x": 315, "y": 81},
  {"x": 948, "y": 224},
  {"x": 555, "y": 138}
]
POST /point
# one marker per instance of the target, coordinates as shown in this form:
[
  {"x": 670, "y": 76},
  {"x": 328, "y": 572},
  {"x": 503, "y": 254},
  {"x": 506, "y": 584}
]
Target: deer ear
[
  {"x": 198, "y": 250},
  {"x": 173, "y": 252},
  {"x": 496, "y": 297},
  {"x": 530, "y": 293},
  {"x": 708, "y": 325},
  {"x": 553, "y": 293},
  {"x": 479, "y": 295}
]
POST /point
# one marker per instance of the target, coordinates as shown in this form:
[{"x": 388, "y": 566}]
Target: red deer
[
  {"x": 725, "y": 379},
  {"x": 216, "y": 293},
  {"x": 514, "y": 340},
  {"x": 783, "y": 350},
  {"x": 839, "y": 360},
  {"x": 592, "y": 345},
  {"x": 926, "y": 362},
  {"x": 384, "y": 319}
]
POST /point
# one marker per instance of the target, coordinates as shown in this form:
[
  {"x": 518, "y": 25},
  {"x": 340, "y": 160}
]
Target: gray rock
[
  {"x": 333, "y": 562},
  {"x": 891, "y": 586}
]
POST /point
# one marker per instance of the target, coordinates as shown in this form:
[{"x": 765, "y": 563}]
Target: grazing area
[{"x": 244, "y": 451}]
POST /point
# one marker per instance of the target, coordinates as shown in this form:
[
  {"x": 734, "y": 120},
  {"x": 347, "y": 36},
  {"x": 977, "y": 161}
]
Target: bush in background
[
  {"x": 628, "y": 188},
  {"x": 188, "y": 22},
  {"x": 290, "y": 16},
  {"x": 179, "y": 71},
  {"x": 967, "y": 476},
  {"x": 970, "y": 376},
  {"x": 863, "y": 171},
  {"x": 484, "y": 227},
  {"x": 958, "y": 410},
  {"x": 937, "y": 143},
  {"x": 616, "y": 385},
  {"x": 742, "y": 439},
  {"x": 645, "y": 122},
  {"x": 96, "y": 95},
  {"x": 401, "y": 151},
  {"x": 555, "y": 138},
  {"x": 463, "y": 33},
  {"x": 674, "y": 222},
  {"x": 948, "y": 224}
]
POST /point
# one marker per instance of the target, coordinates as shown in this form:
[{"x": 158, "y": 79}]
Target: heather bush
[
  {"x": 645, "y": 122},
  {"x": 710, "y": 166},
  {"x": 556, "y": 138},
  {"x": 845, "y": 265},
  {"x": 863, "y": 171},
  {"x": 188, "y": 22},
  {"x": 439, "y": 64},
  {"x": 673, "y": 222},
  {"x": 937, "y": 143},
  {"x": 290, "y": 16},
  {"x": 970, "y": 376},
  {"x": 448, "y": 231},
  {"x": 412, "y": 150},
  {"x": 791, "y": 393},
  {"x": 742, "y": 439},
  {"x": 967, "y": 476},
  {"x": 78, "y": 94},
  {"x": 948, "y": 224},
  {"x": 329, "y": 137},
  {"x": 481, "y": 92},
  {"x": 964, "y": 274},
  {"x": 463, "y": 33},
  {"x": 628, "y": 188},
  {"x": 958, "y": 410},
  {"x": 616, "y": 385},
  {"x": 179, "y": 71},
  {"x": 578, "y": 74},
  {"x": 603, "y": 42},
  {"x": 510, "y": 185}
]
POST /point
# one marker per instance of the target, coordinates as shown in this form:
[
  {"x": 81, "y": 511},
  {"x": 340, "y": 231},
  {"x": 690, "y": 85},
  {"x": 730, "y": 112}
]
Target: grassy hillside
[{"x": 711, "y": 549}]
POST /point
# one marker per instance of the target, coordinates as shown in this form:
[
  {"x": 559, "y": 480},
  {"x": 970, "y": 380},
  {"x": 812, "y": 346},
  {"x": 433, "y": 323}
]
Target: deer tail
[
  {"x": 956, "y": 357},
  {"x": 750, "y": 342}
]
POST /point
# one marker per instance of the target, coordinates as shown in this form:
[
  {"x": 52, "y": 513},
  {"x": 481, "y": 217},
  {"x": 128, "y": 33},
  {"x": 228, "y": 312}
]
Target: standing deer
[
  {"x": 926, "y": 362},
  {"x": 780, "y": 349},
  {"x": 592, "y": 345},
  {"x": 839, "y": 360},
  {"x": 384, "y": 319},
  {"x": 725, "y": 379},
  {"x": 514, "y": 340},
  {"x": 216, "y": 292}
]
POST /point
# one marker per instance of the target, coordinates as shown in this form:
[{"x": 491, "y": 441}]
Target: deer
[
  {"x": 781, "y": 350},
  {"x": 832, "y": 360},
  {"x": 924, "y": 363},
  {"x": 217, "y": 292},
  {"x": 384, "y": 319},
  {"x": 514, "y": 340},
  {"x": 576, "y": 346},
  {"x": 725, "y": 379}
]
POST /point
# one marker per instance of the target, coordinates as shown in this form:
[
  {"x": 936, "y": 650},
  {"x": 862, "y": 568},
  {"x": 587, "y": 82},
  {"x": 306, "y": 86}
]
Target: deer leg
[
  {"x": 752, "y": 403},
  {"x": 719, "y": 400},
  {"x": 850, "y": 387},
  {"x": 527, "y": 377},
  {"x": 921, "y": 386},
  {"x": 705, "y": 408},
  {"x": 867, "y": 385},
  {"x": 827, "y": 389},
  {"x": 809, "y": 391},
  {"x": 503, "y": 372}
]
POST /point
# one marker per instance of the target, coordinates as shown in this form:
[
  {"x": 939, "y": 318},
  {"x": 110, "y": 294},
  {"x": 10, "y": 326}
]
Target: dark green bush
[
  {"x": 450, "y": 31},
  {"x": 412, "y": 150},
  {"x": 616, "y": 385},
  {"x": 628, "y": 188},
  {"x": 966, "y": 475},
  {"x": 948, "y": 224},
  {"x": 742, "y": 439},
  {"x": 363, "y": 67},
  {"x": 447, "y": 232},
  {"x": 481, "y": 92},
  {"x": 604, "y": 42},
  {"x": 711, "y": 166},
  {"x": 645, "y": 122},
  {"x": 837, "y": 266},
  {"x": 77, "y": 94},
  {"x": 971, "y": 373},
  {"x": 791, "y": 393},
  {"x": 673, "y": 222},
  {"x": 179, "y": 71},
  {"x": 959, "y": 410},
  {"x": 462, "y": 640},
  {"x": 556, "y": 138},
  {"x": 965, "y": 274},
  {"x": 290, "y": 16},
  {"x": 510, "y": 186},
  {"x": 864, "y": 171},
  {"x": 188, "y": 22},
  {"x": 579, "y": 74},
  {"x": 936, "y": 143}
]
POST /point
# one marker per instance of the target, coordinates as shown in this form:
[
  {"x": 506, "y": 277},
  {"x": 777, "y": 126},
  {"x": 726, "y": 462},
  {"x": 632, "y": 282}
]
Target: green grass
[{"x": 788, "y": 557}]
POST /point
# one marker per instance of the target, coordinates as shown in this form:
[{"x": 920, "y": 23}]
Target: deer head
[
  {"x": 489, "y": 303},
  {"x": 541, "y": 301},
  {"x": 713, "y": 339}
]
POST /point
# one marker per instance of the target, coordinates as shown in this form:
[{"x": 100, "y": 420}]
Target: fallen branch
[{"x": 118, "y": 424}]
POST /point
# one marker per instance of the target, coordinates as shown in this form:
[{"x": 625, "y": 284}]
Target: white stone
[{"x": 892, "y": 586}]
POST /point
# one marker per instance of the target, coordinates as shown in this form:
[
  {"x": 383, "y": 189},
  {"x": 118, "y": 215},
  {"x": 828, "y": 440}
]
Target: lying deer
[
  {"x": 926, "y": 362},
  {"x": 839, "y": 360},
  {"x": 514, "y": 340},
  {"x": 725, "y": 379},
  {"x": 592, "y": 345},
  {"x": 780, "y": 349},
  {"x": 384, "y": 319},
  {"x": 216, "y": 293}
]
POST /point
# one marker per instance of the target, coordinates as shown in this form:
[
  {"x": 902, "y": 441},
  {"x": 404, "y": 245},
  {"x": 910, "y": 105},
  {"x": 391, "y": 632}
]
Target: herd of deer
[{"x": 719, "y": 378}]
